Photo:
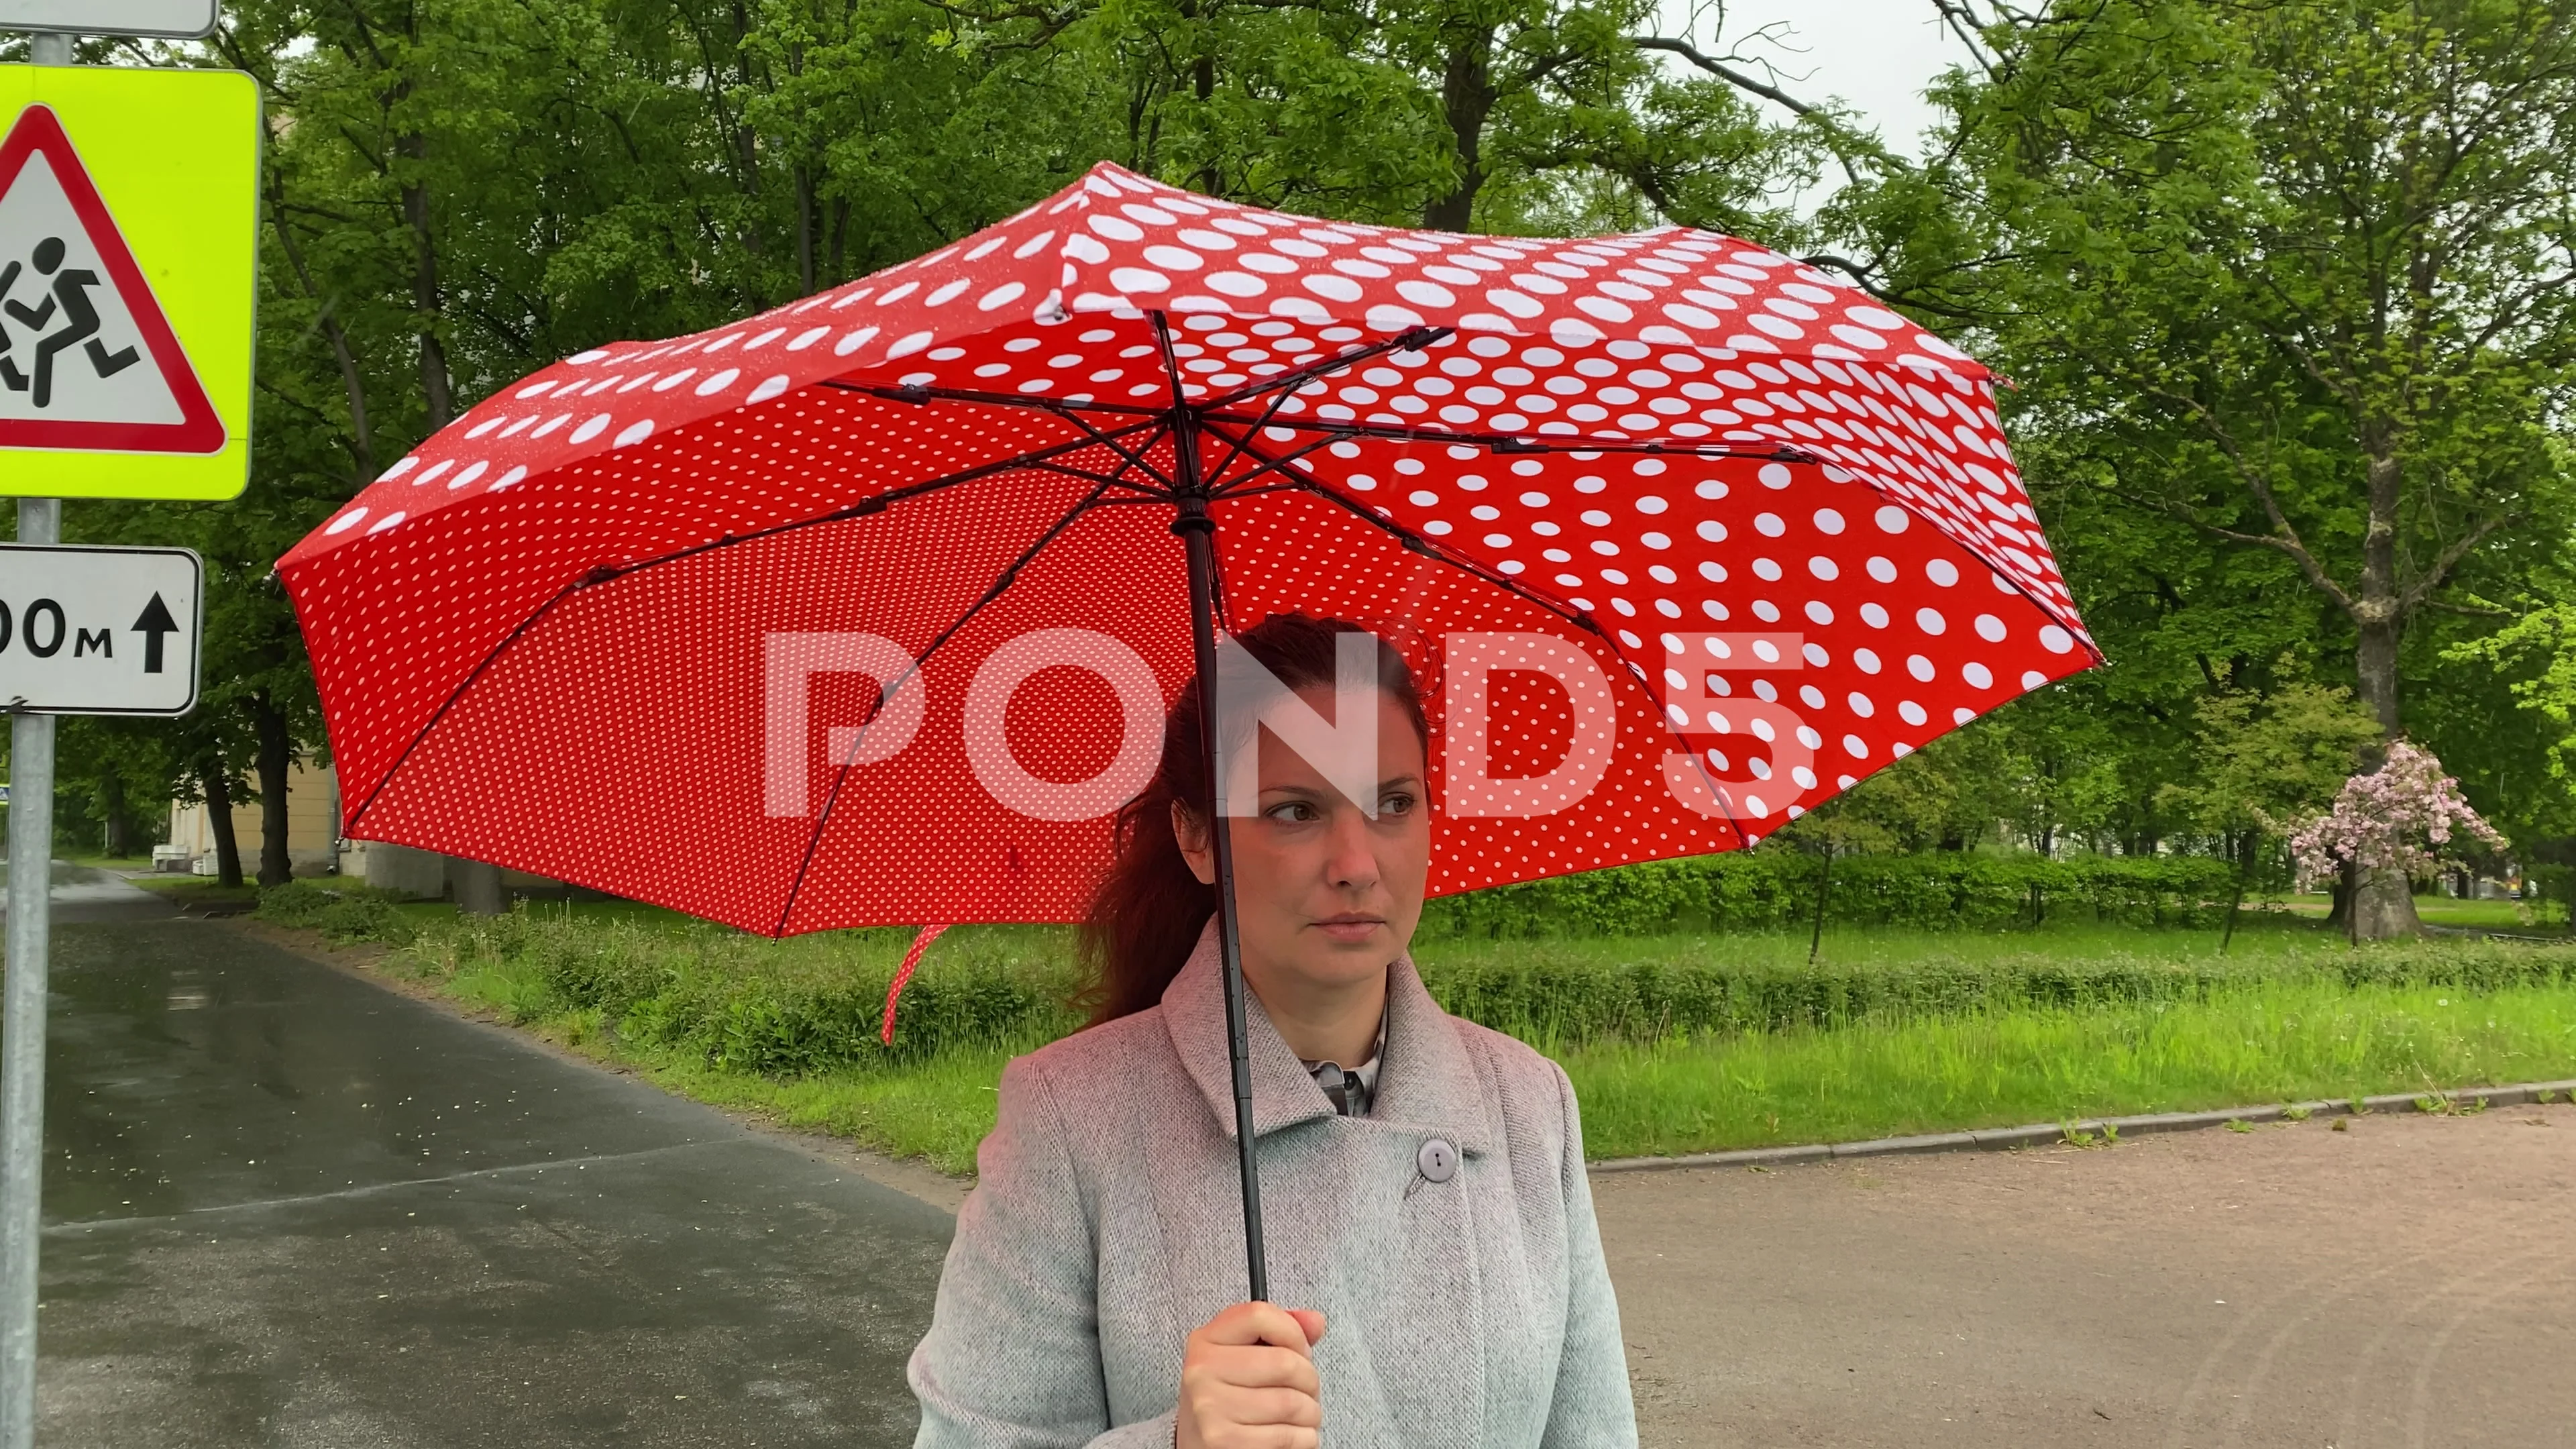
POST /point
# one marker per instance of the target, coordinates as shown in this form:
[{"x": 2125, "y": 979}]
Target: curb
[{"x": 2043, "y": 1134}]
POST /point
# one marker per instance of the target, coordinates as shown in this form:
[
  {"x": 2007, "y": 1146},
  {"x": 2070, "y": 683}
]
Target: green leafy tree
[
  {"x": 2267, "y": 762},
  {"x": 2290, "y": 281}
]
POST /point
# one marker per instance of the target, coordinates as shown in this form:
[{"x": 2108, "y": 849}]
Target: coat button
[{"x": 1437, "y": 1160}]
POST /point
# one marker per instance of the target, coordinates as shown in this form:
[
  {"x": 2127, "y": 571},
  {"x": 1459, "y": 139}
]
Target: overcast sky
[{"x": 1878, "y": 55}]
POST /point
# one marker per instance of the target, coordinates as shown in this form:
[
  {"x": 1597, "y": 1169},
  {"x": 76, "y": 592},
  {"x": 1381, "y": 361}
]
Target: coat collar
[{"x": 1426, "y": 1079}]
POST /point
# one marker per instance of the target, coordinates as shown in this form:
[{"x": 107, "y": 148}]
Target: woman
[{"x": 1430, "y": 1231}]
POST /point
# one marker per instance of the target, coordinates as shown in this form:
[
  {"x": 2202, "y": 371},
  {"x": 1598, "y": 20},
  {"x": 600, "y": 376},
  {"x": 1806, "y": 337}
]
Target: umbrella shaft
[{"x": 1198, "y": 538}]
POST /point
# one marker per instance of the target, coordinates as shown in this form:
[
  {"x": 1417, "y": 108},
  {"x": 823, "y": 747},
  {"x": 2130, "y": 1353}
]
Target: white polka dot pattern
[{"x": 1781, "y": 519}]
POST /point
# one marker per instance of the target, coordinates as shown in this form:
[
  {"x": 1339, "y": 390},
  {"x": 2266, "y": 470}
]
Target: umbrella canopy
[{"x": 867, "y": 610}]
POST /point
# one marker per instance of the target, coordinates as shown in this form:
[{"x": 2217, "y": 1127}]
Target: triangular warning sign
[{"x": 87, "y": 359}]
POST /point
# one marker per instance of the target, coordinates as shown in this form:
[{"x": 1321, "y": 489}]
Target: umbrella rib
[
  {"x": 1504, "y": 443},
  {"x": 1135, "y": 457},
  {"x": 1286, "y": 385},
  {"x": 606, "y": 573},
  {"x": 923, "y": 393},
  {"x": 1233, "y": 493},
  {"x": 1171, "y": 362},
  {"x": 453, "y": 695},
  {"x": 1000, "y": 585},
  {"x": 1144, "y": 494},
  {"x": 1512, "y": 443},
  {"x": 1278, "y": 465},
  {"x": 1056, "y": 407},
  {"x": 1235, "y": 446},
  {"x": 1036, "y": 460},
  {"x": 1417, "y": 544},
  {"x": 1411, "y": 340}
]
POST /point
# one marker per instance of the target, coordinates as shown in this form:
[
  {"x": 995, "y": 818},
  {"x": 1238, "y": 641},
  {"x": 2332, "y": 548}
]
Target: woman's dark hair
[{"x": 1149, "y": 909}]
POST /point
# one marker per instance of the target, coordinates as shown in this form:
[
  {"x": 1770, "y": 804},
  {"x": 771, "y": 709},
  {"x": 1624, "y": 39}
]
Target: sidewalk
[
  {"x": 2405, "y": 1282},
  {"x": 285, "y": 1207},
  {"x": 87, "y": 893}
]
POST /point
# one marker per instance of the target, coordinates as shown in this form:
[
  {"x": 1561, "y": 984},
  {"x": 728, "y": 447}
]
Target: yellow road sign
[{"x": 129, "y": 213}]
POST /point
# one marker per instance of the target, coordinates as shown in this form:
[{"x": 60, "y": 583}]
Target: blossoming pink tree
[{"x": 2405, "y": 819}]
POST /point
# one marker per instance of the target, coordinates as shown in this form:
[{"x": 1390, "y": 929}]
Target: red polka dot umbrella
[{"x": 866, "y": 610}]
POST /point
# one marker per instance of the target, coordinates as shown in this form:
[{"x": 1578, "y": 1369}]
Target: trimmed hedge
[
  {"x": 1543, "y": 998},
  {"x": 777, "y": 1008},
  {"x": 1775, "y": 889}
]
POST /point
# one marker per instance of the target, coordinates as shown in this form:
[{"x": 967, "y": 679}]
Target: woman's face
[{"x": 1321, "y": 890}]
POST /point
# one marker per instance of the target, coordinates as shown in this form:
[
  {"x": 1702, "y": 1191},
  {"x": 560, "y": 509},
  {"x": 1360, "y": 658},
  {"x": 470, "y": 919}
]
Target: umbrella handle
[{"x": 1198, "y": 537}]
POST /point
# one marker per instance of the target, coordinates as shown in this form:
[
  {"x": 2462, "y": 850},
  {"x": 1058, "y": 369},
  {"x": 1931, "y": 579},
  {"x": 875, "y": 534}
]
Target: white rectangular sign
[
  {"x": 99, "y": 630},
  {"x": 177, "y": 19}
]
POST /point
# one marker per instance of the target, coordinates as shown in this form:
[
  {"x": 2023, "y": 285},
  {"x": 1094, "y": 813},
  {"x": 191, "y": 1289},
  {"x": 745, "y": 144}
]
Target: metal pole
[
  {"x": 1198, "y": 536},
  {"x": 22, "y": 1034},
  {"x": 22, "y": 999}
]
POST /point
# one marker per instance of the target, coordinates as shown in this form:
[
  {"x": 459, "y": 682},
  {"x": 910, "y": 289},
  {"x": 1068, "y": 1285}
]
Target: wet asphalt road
[{"x": 286, "y": 1207}]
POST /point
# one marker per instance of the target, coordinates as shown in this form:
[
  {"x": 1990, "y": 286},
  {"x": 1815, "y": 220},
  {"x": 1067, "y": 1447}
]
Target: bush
[
  {"x": 1562, "y": 1000},
  {"x": 1776, "y": 888},
  {"x": 743, "y": 1003},
  {"x": 345, "y": 914},
  {"x": 812, "y": 1005}
]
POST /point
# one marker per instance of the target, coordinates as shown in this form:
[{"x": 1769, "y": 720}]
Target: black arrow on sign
[{"x": 155, "y": 623}]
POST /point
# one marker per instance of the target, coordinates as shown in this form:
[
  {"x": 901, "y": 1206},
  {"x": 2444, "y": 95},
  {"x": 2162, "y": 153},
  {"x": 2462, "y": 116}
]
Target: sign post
[
  {"x": 22, "y": 1033},
  {"x": 128, "y": 248}
]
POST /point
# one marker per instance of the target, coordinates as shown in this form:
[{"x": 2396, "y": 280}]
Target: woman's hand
[{"x": 1248, "y": 1381}]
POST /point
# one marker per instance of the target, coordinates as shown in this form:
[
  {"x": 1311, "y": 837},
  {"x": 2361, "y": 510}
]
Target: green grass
[
  {"x": 2547, "y": 917},
  {"x": 2280, "y": 1042},
  {"x": 2536, "y": 916},
  {"x": 1677, "y": 1043},
  {"x": 936, "y": 1108},
  {"x": 198, "y": 890},
  {"x": 2264, "y": 940}
]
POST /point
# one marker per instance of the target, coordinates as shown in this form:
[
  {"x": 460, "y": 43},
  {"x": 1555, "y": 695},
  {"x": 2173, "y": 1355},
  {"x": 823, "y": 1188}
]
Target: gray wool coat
[{"x": 1106, "y": 1226}]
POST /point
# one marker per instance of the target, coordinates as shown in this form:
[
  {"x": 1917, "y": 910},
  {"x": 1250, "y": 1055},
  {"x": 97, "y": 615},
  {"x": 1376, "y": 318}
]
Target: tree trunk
[
  {"x": 478, "y": 887},
  {"x": 2375, "y": 664},
  {"x": 111, "y": 804},
  {"x": 2244, "y": 853},
  {"x": 219, "y": 817},
  {"x": 1203, "y": 86},
  {"x": 1467, "y": 99},
  {"x": 1824, "y": 892},
  {"x": 435, "y": 381},
  {"x": 428, "y": 298},
  {"x": 276, "y": 756},
  {"x": 805, "y": 230},
  {"x": 2383, "y": 907},
  {"x": 2383, "y": 902}
]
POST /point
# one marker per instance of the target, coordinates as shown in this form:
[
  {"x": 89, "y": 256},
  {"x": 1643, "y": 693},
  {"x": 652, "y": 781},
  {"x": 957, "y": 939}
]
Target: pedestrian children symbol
[
  {"x": 70, "y": 293},
  {"x": 88, "y": 360}
]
